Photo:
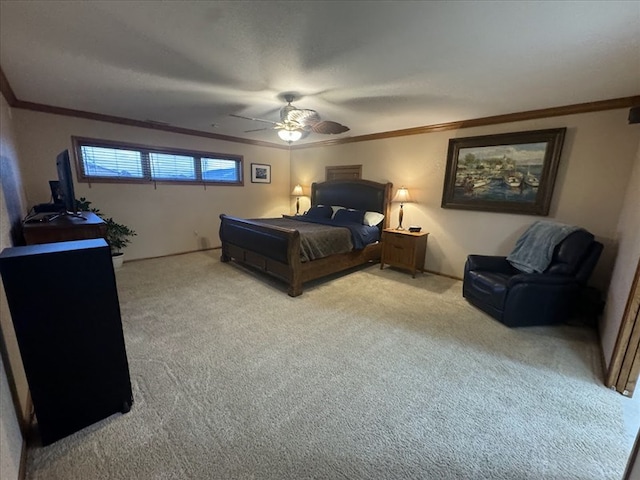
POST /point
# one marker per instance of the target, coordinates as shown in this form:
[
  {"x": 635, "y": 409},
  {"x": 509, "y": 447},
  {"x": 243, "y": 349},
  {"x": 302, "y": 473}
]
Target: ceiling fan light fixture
[
  {"x": 297, "y": 123},
  {"x": 290, "y": 135}
]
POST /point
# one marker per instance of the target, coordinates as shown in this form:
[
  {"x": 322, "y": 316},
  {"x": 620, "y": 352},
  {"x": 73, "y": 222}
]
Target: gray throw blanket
[{"x": 534, "y": 249}]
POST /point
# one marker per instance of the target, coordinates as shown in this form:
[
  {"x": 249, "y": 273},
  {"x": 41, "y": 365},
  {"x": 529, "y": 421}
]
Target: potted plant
[{"x": 118, "y": 235}]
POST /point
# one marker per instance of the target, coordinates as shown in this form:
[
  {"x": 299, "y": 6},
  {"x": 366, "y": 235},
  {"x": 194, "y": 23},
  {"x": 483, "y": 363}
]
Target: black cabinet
[{"x": 65, "y": 311}]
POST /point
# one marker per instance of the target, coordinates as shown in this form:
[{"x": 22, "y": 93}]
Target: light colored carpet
[{"x": 372, "y": 375}]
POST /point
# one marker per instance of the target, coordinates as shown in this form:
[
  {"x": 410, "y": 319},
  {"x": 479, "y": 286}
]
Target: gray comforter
[{"x": 316, "y": 240}]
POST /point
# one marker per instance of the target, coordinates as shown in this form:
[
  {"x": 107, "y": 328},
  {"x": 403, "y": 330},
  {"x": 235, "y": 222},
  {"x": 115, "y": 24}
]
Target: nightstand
[{"x": 404, "y": 249}]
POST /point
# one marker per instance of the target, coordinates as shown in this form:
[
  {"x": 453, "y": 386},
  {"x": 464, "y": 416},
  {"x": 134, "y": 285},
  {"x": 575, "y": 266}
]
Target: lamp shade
[
  {"x": 290, "y": 135},
  {"x": 402, "y": 196},
  {"x": 297, "y": 191}
]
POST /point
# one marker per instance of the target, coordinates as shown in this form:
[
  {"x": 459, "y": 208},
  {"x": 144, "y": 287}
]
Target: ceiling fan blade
[
  {"x": 328, "y": 127},
  {"x": 251, "y": 118},
  {"x": 303, "y": 116},
  {"x": 285, "y": 111},
  {"x": 303, "y": 120}
]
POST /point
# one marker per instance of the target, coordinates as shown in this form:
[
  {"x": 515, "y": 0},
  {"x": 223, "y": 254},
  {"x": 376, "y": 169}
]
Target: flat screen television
[{"x": 65, "y": 183}]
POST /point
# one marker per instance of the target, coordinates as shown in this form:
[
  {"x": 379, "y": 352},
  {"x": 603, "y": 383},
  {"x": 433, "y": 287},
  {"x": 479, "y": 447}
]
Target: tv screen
[{"x": 65, "y": 179}]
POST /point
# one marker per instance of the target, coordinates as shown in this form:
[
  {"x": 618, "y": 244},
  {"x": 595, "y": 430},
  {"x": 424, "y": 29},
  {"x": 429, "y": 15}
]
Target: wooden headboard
[{"x": 358, "y": 194}]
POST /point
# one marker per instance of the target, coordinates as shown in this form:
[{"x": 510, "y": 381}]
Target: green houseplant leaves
[{"x": 118, "y": 235}]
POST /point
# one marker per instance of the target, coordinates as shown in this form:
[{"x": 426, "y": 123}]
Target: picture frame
[
  {"x": 507, "y": 173},
  {"x": 260, "y": 173}
]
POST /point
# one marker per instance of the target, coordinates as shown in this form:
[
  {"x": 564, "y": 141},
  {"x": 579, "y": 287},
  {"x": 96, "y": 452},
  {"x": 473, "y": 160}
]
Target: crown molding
[
  {"x": 14, "y": 102},
  {"x": 612, "y": 104},
  {"x": 37, "y": 107},
  {"x": 6, "y": 90}
]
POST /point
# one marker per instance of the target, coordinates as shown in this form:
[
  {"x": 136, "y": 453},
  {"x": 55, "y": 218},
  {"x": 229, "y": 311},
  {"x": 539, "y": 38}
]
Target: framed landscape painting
[
  {"x": 260, "y": 173},
  {"x": 510, "y": 172}
]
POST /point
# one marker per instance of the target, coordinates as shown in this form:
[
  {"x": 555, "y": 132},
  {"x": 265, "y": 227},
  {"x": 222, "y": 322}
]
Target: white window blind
[
  {"x": 107, "y": 161},
  {"x": 112, "y": 162},
  {"x": 219, "y": 170},
  {"x": 172, "y": 167}
]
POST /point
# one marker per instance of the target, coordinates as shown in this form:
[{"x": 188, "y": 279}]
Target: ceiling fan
[{"x": 296, "y": 123}]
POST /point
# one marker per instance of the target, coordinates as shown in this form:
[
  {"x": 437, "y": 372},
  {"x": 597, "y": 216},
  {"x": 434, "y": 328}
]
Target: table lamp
[
  {"x": 402, "y": 196},
  {"x": 297, "y": 192}
]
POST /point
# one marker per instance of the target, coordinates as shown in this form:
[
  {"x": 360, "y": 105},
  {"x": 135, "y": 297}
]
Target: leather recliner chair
[{"x": 518, "y": 299}]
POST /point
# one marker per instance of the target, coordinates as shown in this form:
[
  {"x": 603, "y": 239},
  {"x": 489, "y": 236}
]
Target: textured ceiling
[{"x": 373, "y": 66}]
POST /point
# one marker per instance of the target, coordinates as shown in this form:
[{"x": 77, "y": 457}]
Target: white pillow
[
  {"x": 335, "y": 208},
  {"x": 372, "y": 218}
]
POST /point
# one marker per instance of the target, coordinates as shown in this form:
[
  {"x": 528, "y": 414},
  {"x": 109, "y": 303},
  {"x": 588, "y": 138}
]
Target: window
[{"x": 107, "y": 161}]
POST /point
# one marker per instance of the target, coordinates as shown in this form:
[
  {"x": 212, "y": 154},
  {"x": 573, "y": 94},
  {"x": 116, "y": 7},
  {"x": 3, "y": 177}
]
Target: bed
[{"x": 271, "y": 247}]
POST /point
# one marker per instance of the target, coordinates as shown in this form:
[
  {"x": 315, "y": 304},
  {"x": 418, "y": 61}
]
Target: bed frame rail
[{"x": 276, "y": 250}]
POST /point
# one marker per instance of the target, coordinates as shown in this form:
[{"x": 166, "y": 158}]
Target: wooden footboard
[{"x": 276, "y": 251}]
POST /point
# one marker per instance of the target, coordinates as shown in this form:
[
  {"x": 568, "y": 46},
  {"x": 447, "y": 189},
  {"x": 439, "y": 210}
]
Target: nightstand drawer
[
  {"x": 398, "y": 250},
  {"x": 404, "y": 249},
  {"x": 398, "y": 241}
]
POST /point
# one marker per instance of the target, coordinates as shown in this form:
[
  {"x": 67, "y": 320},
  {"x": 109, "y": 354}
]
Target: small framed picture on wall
[{"x": 260, "y": 173}]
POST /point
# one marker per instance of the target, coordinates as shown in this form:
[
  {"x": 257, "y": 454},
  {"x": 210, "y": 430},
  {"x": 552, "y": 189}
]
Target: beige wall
[
  {"x": 596, "y": 163},
  {"x": 11, "y": 212},
  {"x": 167, "y": 217},
  {"x": 597, "y": 158},
  {"x": 628, "y": 235}
]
